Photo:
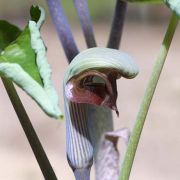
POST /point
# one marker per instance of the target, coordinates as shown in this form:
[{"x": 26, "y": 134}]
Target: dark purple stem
[
  {"x": 117, "y": 25},
  {"x": 85, "y": 21},
  {"x": 63, "y": 29}
]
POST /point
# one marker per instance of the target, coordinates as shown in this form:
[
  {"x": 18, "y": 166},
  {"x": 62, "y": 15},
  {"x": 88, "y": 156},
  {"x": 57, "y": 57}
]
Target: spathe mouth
[{"x": 94, "y": 87}]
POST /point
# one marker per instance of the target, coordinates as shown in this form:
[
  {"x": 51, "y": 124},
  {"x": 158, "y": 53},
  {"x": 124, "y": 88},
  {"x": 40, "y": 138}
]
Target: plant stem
[
  {"x": 117, "y": 25},
  {"x": 136, "y": 133},
  {"x": 63, "y": 29},
  {"x": 85, "y": 21},
  {"x": 33, "y": 139}
]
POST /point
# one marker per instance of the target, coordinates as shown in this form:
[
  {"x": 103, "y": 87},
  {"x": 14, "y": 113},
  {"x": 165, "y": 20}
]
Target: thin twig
[
  {"x": 117, "y": 25},
  {"x": 85, "y": 21},
  {"x": 31, "y": 135},
  {"x": 63, "y": 28}
]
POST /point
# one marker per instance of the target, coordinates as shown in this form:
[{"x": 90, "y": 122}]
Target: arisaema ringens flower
[{"x": 91, "y": 79}]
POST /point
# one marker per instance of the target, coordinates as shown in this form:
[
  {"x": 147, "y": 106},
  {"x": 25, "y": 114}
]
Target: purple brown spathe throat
[{"x": 94, "y": 87}]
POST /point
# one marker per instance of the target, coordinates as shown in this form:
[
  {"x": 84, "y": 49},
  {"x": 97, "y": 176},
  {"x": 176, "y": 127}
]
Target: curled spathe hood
[{"x": 91, "y": 76}]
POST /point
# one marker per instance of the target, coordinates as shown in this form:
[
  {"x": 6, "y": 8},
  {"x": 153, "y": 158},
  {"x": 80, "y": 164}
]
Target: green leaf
[
  {"x": 23, "y": 60},
  {"x": 38, "y": 15},
  {"x": 35, "y": 13},
  {"x": 174, "y": 5},
  {"x": 20, "y": 52},
  {"x": 8, "y": 33}
]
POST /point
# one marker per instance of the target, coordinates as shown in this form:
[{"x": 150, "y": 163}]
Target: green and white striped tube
[{"x": 79, "y": 148}]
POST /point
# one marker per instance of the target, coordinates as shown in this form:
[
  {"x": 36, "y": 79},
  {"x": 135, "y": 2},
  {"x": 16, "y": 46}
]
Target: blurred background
[{"x": 158, "y": 155}]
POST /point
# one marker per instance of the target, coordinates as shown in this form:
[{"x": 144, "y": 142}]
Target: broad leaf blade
[
  {"x": 20, "y": 52},
  {"x": 8, "y": 33},
  {"x": 23, "y": 60}
]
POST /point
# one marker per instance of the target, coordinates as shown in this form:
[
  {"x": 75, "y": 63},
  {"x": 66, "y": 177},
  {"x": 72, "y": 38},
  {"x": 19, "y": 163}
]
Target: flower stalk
[
  {"x": 85, "y": 21},
  {"x": 63, "y": 29},
  {"x": 145, "y": 104},
  {"x": 117, "y": 25}
]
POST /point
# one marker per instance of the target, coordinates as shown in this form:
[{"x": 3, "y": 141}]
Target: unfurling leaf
[
  {"x": 174, "y": 5},
  {"x": 91, "y": 76},
  {"x": 108, "y": 155},
  {"x": 23, "y": 60}
]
